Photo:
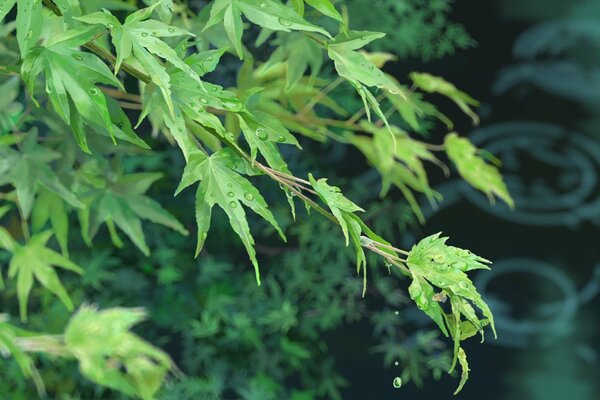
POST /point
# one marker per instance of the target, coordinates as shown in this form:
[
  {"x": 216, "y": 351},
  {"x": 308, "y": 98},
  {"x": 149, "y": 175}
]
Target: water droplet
[
  {"x": 263, "y": 5},
  {"x": 209, "y": 58},
  {"x": 232, "y": 204},
  {"x": 422, "y": 303},
  {"x": 461, "y": 265},
  {"x": 249, "y": 196},
  {"x": 396, "y": 363},
  {"x": 214, "y": 88},
  {"x": 77, "y": 57},
  {"x": 393, "y": 91},
  {"x": 442, "y": 268},
  {"x": 380, "y": 85},
  {"x": 144, "y": 34},
  {"x": 204, "y": 235},
  {"x": 285, "y": 22},
  {"x": 229, "y": 185},
  {"x": 230, "y": 194},
  {"x": 262, "y": 134},
  {"x": 464, "y": 253},
  {"x": 171, "y": 30},
  {"x": 232, "y": 106},
  {"x": 48, "y": 88},
  {"x": 463, "y": 285},
  {"x": 439, "y": 258},
  {"x": 93, "y": 91},
  {"x": 397, "y": 312},
  {"x": 110, "y": 26},
  {"x": 203, "y": 101},
  {"x": 397, "y": 382},
  {"x": 281, "y": 139}
]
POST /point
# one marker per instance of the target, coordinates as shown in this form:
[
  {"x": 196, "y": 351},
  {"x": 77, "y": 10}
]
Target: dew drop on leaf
[
  {"x": 281, "y": 139},
  {"x": 77, "y": 57},
  {"x": 262, "y": 134},
  {"x": 93, "y": 91},
  {"x": 461, "y": 265},
  {"x": 110, "y": 26},
  {"x": 232, "y": 204},
  {"x": 397, "y": 382},
  {"x": 171, "y": 30},
  {"x": 230, "y": 194},
  {"x": 210, "y": 59},
  {"x": 285, "y": 22},
  {"x": 144, "y": 34},
  {"x": 439, "y": 258},
  {"x": 463, "y": 285},
  {"x": 249, "y": 196},
  {"x": 203, "y": 101}
]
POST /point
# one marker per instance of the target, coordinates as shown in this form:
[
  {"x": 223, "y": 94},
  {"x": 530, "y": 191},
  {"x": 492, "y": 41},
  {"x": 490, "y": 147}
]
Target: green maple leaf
[
  {"x": 475, "y": 170},
  {"x": 28, "y": 168},
  {"x": 77, "y": 98},
  {"x": 269, "y": 14},
  {"x": 121, "y": 201},
  {"x": 222, "y": 185},
  {"x": 110, "y": 355},
  {"x": 139, "y": 37},
  {"x": 35, "y": 261}
]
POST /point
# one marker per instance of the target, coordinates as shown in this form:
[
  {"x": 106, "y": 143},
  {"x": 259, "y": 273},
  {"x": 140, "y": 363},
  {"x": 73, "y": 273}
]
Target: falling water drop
[{"x": 397, "y": 382}]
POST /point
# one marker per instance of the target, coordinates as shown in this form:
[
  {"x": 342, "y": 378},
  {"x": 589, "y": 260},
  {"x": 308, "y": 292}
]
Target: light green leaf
[
  {"x": 336, "y": 201},
  {"x": 435, "y": 84},
  {"x": 110, "y": 355},
  {"x": 462, "y": 358},
  {"x": 475, "y": 170},
  {"x": 35, "y": 261}
]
